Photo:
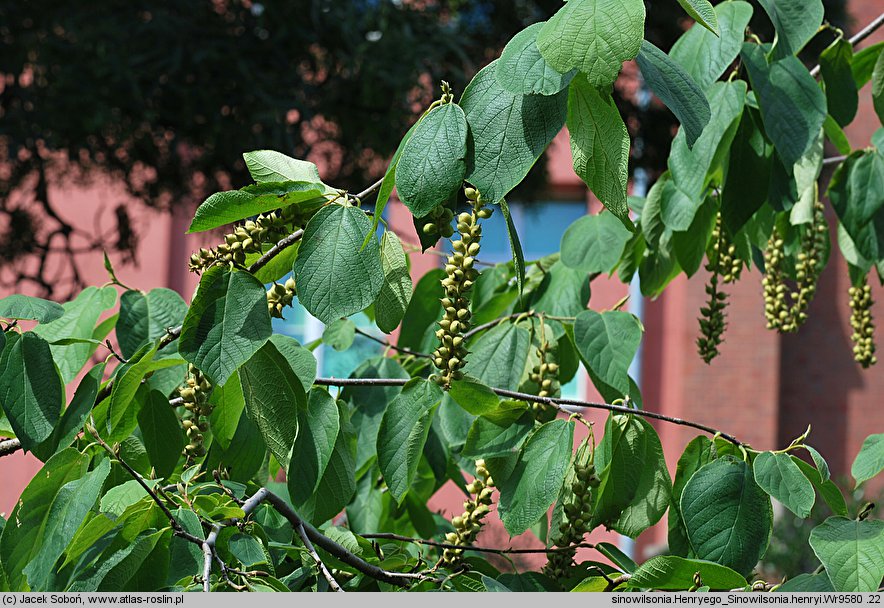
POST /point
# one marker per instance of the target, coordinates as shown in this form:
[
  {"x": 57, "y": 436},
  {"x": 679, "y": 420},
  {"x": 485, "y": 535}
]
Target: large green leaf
[
  {"x": 395, "y": 294},
  {"x": 497, "y": 433},
  {"x": 857, "y": 194},
  {"x": 796, "y": 22},
  {"x": 340, "y": 334},
  {"x": 563, "y": 292},
  {"x": 690, "y": 245},
  {"x": 777, "y": 475},
  {"x": 697, "y": 453},
  {"x": 817, "y": 583},
  {"x": 793, "y": 106},
  {"x": 318, "y": 428},
  {"x": 594, "y": 36},
  {"x": 161, "y": 433},
  {"x": 829, "y": 492},
  {"x": 599, "y": 145},
  {"x": 79, "y": 320},
  {"x": 676, "y": 88},
  {"x": 635, "y": 487},
  {"x": 228, "y": 405},
  {"x": 473, "y": 396},
  {"x": 870, "y": 460},
  {"x": 335, "y": 276},
  {"x": 246, "y": 451},
  {"x": 31, "y": 389},
  {"x": 748, "y": 175},
  {"x": 672, "y": 573},
  {"x": 608, "y": 341},
  {"x": 433, "y": 163},
  {"x": 842, "y": 97},
  {"x": 226, "y": 324},
  {"x": 726, "y": 515},
  {"x": 691, "y": 168},
  {"x": 146, "y": 317},
  {"x": 706, "y": 56},
  {"x": 121, "y": 565},
  {"x": 231, "y": 206},
  {"x": 594, "y": 243},
  {"x": 68, "y": 510},
  {"x": 702, "y": 12},
  {"x": 422, "y": 313},
  {"x": 403, "y": 433},
  {"x": 274, "y": 398},
  {"x": 863, "y": 64},
  {"x": 508, "y": 132},
  {"x": 29, "y": 308},
  {"x": 272, "y": 166},
  {"x": 852, "y": 552},
  {"x": 22, "y": 540},
  {"x": 534, "y": 484},
  {"x": 498, "y": 357},
  {"x": 523, "y": 71}
]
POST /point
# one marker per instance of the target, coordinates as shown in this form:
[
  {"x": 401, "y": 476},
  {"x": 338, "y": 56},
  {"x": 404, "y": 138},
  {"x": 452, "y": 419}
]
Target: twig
[
  {"x": 276, "y": 250},
  {"x": 319, "y": 563},
  {"x": 388, "y": 344},
  {"x": 551, "y": 401},
  {"x": 834, "y": 160},
  {"x": 480, "y": 328},
  {"x": 374, "y": 187},
  {"x": 441, "y": 545},
  {"x": 858, "y": 37},
  {"x": 9, "y": 446}
]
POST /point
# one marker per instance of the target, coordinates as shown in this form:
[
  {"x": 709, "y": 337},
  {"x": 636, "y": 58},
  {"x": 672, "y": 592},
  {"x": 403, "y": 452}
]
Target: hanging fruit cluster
[
  {"x": 195, "y": 395},
  {"x": 438, "y": 223},
  {"x": 787, "y": 311},
  {"x": 450, "y": 356},
  {"x": 723, "y": 264},
  {"x": 546, "y": 376},
  {"x": 468, "y": 524},
  {"x": 863, "y": 325},
  {"x": 279, "y": 296}
]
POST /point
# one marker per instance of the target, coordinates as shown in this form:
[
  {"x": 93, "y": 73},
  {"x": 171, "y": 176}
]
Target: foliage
[{"x": 157, "y": 474}]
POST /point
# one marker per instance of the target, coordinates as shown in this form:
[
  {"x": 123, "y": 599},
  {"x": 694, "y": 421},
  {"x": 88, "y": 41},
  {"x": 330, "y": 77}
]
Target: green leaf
[
  {"x": 594, "y": 243},
  {"x": 870, "y": 460},
  {"x": 318, "y": 428},
  {"x": 499, "y": 432},
  {"x": 599, "y": 145},
  {"x": 29, "y": 308},
  {"x": 796, "y": 22},
  {"x": 121, "y": 563},
  {"x": 702, "y": 12},
  {"x": 247, "y": 549},
  {"x": 228, "y": 405},
  {"x": 68, "y": 510},
  {"x": 335, "y": 276},
  {"x": 473, "y": 396},
  {"x": 821, "y": 465},
  {"x": 499, "y": 356},
  {"x": 246, "y": 452},
  {"x": 395, "y": 294},
  {"x": 675, "y": 87},
  {"x": 777, "y": 475},
  {"x": 594, "y": 36},
  {"x": 592, "y": 584},
  {"x": 119, "y": 498},
  {"x": 842, "y": 97},
  {"x": 22, "y": 540},
  {"x": 608, "y": 341},
  {"x": 224, "y": 208},
  {"x": 301, "y": 359},
  {"x": 816, "y": 583},
  {"x": 523, "y": 71},
  {"x": 508, "y": 132},
  {"x": 857, "y": 194},
  {"x": 836, "y": 135},
  {"x": 79, "y": 320},
  {"x": 692, "y": 168},
  {"x": 878, "y": 87},
  {"x": 161, "y": 433},
  {"x": 829, "y": 492},
  {"x": 863, "y": 64},
  {"x": 515, "y": 245},
  {"x": 403, "y": 433},
  {"x": 272, "y": 166},
  {"x": 697, "y": 454},
  {"x": 748, "y": 175},
  {"x": 147, "y": 317},
  {"x": 387, "y": 185},
  {"x": 540, "y": 470},
  {"x": 706, "y": 56},
  {"x": 433, "y": 163},
  {"x": 690, "y": 245},
  {"x": 340, "y": 334},
  {"x": 852, "y": 552},
  {"x": 635, "y": 487},
  {"x": 563, "y": 292},
  {"x": 338, "y": 483},
  {"x": 726, "y": 515},
  {"x": 274, "y": 397},
  {"x": 31, "y": 389},
  {"x": 422, "y": 313},
  {"x": 792, "y": 105},
  {"x": 672, "y": 573},
  {"x": 278, "y": 267},
  {"x": 226, "y": 324},
  {"x": 617, "y": 557}
]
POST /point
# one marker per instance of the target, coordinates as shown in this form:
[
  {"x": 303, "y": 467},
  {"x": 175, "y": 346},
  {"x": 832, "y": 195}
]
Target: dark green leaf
[
  {"x": 836, "y": 135},
  {"x": 226, "y": 324},
  {"x": 523, "y": 71},
  {"x": 852, "y": 552},
  {"x": 318, "y": 428},
  {"x": 147, "y": 317},
  {"x": 697, "y": 454},
  {"x": 508, "y": 133},
  {"x": 608, "y": 341},
  {"x": 228, "y": 405},
  {"x": 748, "y": 174},
  {"x": 599, "y": 145},
  {"x": 817, "y": 583},
  {"x": 423, "y": 311},
  {"x": 338, "y": 484},
  {"x": 340, "y": 334},
  {"x": 727, "y": 516},
  {"x": 433, "y": 162},
  {"x": 515, "y": 245},
  {"x": 161, "y": 432},
  {"x": 857, "y": 194},
  {"x": 29, "y": 308},
  {"x": 533, "y": 486},
  {"x": 563, "y": 292},
  {"x": 863, "y": 64},
  {"x": 224, "y": 208},
  {"x": 499, "y": 356},
  {"x": 395, "y": 294},
  {"x": 878, "y": 87},
  {"x": 335, "y": 276},
  {"x": 676, "y": 88},
  {"x": 499, "y": 432},
  {"x": 796, "y": 22},
  {"x": 842, "y": 97},
  {"x": 674, "y": 573},
  {"x": 690, "y": 246},
  {"x": 827, "y": 489},
  {"x": 777, "y": 475},
  {"x": 473, "y": 396},
  {"x": 594, "y": 243}
]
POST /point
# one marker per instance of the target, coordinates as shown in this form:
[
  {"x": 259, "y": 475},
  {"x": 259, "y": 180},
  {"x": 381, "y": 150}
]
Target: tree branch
[
  {"x": 388, "y": 344},
  {"x": 373, "y": 188},
  {"x": 319, "y": 563},
  {"x": 9, "y": 446},
  {"x": 555, "y": 402},
  {"x": 480, "y": 328},
  {"x": 861, "y": 35},
  {"x": 441, "y": 545}
]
